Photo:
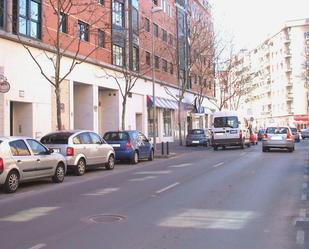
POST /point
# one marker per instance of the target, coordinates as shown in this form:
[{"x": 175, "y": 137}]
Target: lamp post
[{"x": 153, "y": 10}]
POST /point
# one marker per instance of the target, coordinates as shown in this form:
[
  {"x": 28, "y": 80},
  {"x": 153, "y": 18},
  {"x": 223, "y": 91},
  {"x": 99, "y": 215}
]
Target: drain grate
[{"x": 106, "y": 218}]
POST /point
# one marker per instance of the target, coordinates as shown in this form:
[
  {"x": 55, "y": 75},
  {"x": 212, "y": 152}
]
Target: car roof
[
  {"x": 14, "y": 137},
  {"x": 67, "y": 131}
]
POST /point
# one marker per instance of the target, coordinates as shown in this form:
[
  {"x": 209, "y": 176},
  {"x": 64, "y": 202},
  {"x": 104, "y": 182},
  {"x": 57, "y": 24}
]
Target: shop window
[
  {"x": 167, "y": 122},
  {"x": 150, "y": 123}
]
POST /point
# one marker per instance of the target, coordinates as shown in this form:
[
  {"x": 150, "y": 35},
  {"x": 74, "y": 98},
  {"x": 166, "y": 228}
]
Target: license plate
[
  {"x": 219, "y": 134},
  {"x": 276, "y": 138},
  {"x": 195, "y": 142},
  {"x": 116, "y": 145},
  {"x": 233, "y": 131},
  {"x": 56, "y": 150}
]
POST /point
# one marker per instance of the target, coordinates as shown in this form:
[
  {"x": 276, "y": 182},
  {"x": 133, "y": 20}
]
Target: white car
[{"x": 24, "y": 158}]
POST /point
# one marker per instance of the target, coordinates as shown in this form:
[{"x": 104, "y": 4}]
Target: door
[
  {"x": 45, "y": 163},
  {"x": 84, "y": 145},
  {"x": 23, "y": 159},
  {"x": 144, "y": 145},
  {"x": 101, "y": 149}
]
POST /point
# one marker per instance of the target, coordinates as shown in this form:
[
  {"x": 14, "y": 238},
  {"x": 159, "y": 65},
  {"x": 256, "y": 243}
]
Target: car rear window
[
  {"x": 196, "y": 132},
  {"x": 56, "y": 138},
  {"x": 230, "y": 121},
  {"x": 293, "y": 130},
  {"x": 116, "y": 136},
  {"x": 277, "y": 130}
]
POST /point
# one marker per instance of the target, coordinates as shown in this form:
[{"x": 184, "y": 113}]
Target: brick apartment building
[{"x": 107, "y": 36}]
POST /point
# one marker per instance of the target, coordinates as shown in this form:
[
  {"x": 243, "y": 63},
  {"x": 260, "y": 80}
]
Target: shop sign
[{"x": 4, "y": 84}]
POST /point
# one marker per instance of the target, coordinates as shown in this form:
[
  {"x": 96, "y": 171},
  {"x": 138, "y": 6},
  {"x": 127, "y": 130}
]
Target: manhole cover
[{"x": 106, "y": 218}]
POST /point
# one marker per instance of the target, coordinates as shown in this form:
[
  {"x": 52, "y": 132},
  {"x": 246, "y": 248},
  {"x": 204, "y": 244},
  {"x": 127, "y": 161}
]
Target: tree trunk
[
  {"x": 123, "y": 114},
  {"x": 58, "y": 106},
  {"x": 179, "y": 123}
]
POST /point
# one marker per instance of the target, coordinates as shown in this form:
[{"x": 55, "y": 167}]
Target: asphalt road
[{"x": 231, "y": 199}]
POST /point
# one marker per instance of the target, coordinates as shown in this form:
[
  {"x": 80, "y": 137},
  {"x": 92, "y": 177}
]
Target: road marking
[
  {"x": 180, "y": 165},
  {"x": 143, "y": 179},
  {"x": 103, "y": 191},
  {"x": 302, "y": 212},
  {"x": 305, "y": 185},
  {"x": 167, "y": 188},
  {"x": 153, "y": 172},
  {"x": 218, "y": 165},
  {"x": 38, "y": 246},
  {"x": 300, "y": 237},
  {"x": 243, "y": 154},
  {"x": 29, "y": 214},
  {"x": 303, "y": 197}
]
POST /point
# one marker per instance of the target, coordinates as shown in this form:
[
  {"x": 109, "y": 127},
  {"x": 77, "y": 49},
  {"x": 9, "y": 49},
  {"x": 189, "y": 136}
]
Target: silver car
[
  {"x": 81, "y": 149},
  {"x": 278, "y": 137},
  {"x": 305, "y": 133},
  {"x": 24, "y": 158}
]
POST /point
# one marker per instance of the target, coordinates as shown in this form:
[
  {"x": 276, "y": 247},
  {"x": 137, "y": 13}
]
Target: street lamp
[{"x": 153, "y": 10}]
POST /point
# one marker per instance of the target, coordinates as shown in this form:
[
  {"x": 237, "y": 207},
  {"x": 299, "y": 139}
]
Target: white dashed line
[
  {"x": 302, "y": 213},
  {"x": 103, "y": 191},
  {"x": 163, "y": 172},
  {"x": 243, "y": 154},
  {"x": 167, "y": 188},
  {"x": 38, "y": 246},
  {"x": 300, "y": 237},
  {"x": 180, "y": 165},
  {"x": 218, "y": 165},
  {"x": 143, "y": 179}
]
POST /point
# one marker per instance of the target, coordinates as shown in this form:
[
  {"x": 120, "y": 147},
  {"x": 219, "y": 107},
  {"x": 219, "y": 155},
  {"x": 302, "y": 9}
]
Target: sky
[{"x": 250, "y": 22}]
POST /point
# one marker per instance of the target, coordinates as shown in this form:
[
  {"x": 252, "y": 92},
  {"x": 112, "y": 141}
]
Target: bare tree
[{"x": 65, "y": 38}]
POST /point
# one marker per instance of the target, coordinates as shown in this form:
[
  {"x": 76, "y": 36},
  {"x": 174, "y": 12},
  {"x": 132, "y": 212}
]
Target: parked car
[
  {"x": 304, "y": 133},
  {"x": 253, "y": 138},
  {"x": 260, "y": 133},
  {"x": 278, "y": 137},
  {"x": 295, "y": 134},
  {"x": 130, "y": 145},
  {"x": 197, "y": 137},
  {"x": 81, "y": 149},
  {"x": 24, "y": 159}
]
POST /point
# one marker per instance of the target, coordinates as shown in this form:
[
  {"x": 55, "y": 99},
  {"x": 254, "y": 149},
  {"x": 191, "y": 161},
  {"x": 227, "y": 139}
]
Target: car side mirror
[
  {"x": 51, "y": 151},
  {"x": 149, "y": 139}
]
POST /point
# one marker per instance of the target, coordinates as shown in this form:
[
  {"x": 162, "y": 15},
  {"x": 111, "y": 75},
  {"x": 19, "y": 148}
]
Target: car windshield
[
  {"x": 231, "y": 121},
  {"x": 294, "y": 130},
  {"x": 277, "y": 130},
  {"x": 56, "y": 138},
  {"x": 196, "y": 132},
  {"x": 116, "y": 136}
]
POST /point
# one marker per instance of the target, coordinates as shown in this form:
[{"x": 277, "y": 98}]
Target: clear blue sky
[{"x": 250, "y": 21}]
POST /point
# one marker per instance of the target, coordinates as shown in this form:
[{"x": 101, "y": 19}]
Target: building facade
[{"x": 96, "y": 48}]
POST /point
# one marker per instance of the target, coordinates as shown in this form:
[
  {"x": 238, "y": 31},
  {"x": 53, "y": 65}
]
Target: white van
[{"x": 229, "y": 129}]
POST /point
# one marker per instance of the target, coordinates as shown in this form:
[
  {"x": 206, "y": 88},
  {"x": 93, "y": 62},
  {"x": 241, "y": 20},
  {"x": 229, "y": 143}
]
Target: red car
[{"x": 253, "y": 138}]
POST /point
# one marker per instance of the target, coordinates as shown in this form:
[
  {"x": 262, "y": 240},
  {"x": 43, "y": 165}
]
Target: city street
[{"x": 198, "y": 199}]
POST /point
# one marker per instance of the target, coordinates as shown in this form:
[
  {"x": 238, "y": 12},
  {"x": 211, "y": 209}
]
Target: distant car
[
  {"x": 253, "y": 138},
  {"x": 304, "y": 133},
  {"x": 24, "y": 159},
  {"x": 295, "y": 134},
  {"x": 81, "y": 149},
  {"x": 278, "y": 137},
  {"x": 130, "y": 145},
  {"x": 260, "y": 133},
  {"x": 197, "y": 137}
]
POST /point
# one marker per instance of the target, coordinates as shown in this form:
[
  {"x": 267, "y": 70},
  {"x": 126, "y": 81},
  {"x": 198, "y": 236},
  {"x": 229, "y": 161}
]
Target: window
[
  {"x": 19, "y": 148},
  {"x": 167, "y": 123},
  {"x": 155, "y": 2},
  {"x": 229, "y": 121},
  {"x": 171, "y": 68},
  {"x": 118, "y": 14},
  {"x": 118, "y": 55},
  {"x": 83, "y": 31},
  {"x": 164, "y": 65},
  {"x": 135, "y": 59},
  {"x": 2, "y": 13},
  {"x": 63, "y": 22},
  {"x": 164, "y": 35},
  {"x": 37, "y": 148},
  {"x": 135, "y": 24},
  {"x": 101, "y": 38},
  {"x": 95, "y": 138},
  {"x": 29, "y": 18},
  {"x": 85, "y": 138},
  {"x": 101, "y": 2},
  {"x": 156, "y": 61},
  {"x": 116, "y": 136},
  {"x": 150, "y": 123},
  {"x": 56, "y": 138},
  {"x": 171, "y": 39},
  {"x": 155, "y": 30},
  {"x": 169, "y": 10},
  {"x": 148, "y": 58},
  {"x": 147, "y": 25},
  {"x": 163, "y": 5}
]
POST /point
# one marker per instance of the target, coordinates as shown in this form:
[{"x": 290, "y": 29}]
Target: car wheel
[
  {"x": 290, "y": 149},
  {"x": 151, "y": 155},
  {"x": 110, "y": 162},
  {"x": 264, "y": 149},
  {"x": 59, "y": 174},
  {"x": 134, "y": 159},
  {"x": 12, "y": 182},
  {"x": 215, "y": 148},
  {"x": 80, "y": 167}
]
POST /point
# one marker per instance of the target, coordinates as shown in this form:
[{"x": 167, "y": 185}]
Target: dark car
[
  {"x": 196, "y": 137},
  {"x": 130, "y": 145},
  {"x": 260, "y": 133},
  {"x": 305, "y": 133},
  {"x": 295, "y": 134}
]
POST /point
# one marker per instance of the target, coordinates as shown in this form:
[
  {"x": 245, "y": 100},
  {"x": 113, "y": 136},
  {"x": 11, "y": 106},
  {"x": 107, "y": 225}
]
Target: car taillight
[
  {"x": 1, "y": 165},
  {"x": 264, "y": 136},
  {"x": 129, "y": 145},
  {"x": 70, "y": 151},
  {"x": 289, "y": 136}
]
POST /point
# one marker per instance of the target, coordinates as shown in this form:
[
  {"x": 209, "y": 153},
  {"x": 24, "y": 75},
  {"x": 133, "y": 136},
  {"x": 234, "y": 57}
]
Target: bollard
[
  {"x": 162, "y": 148},
  {"x": 167, "y": 148}
]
